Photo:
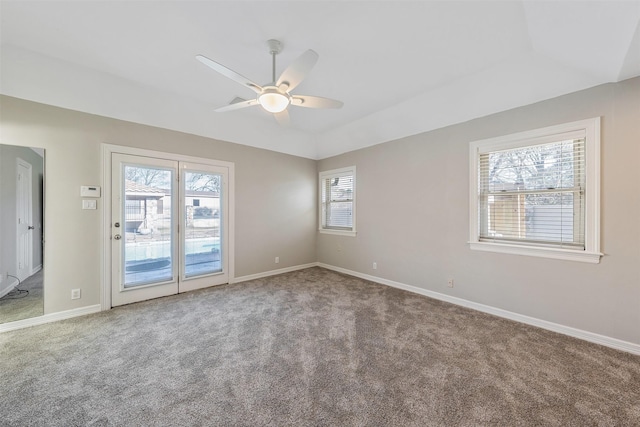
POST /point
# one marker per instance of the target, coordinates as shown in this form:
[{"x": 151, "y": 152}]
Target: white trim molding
[
  {"x": 68, "y": 314},
  {"x": 273, "y": 272},
  {"x": 541, "y": 252},
  {"x": 606, "y": 341},
  {"x": 337, "y": 232},
  {"x": 48, "y": 318}
]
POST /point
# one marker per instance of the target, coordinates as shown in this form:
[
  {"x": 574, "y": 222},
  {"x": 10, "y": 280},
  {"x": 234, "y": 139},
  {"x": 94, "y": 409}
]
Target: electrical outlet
[
  {"x": 75, "y": 293},
  {"x": 375, "y": 265},
  {"x": 450, "y": 283},
  {"x": 277, "y": 260}
]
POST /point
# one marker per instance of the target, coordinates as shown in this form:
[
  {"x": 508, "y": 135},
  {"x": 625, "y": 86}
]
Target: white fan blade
[
  {"x": 237, "y": 105},
  {"x": 229, "y": 73},
  {"x": 315, "y": 102},
  {"x": 283, "y": 118},
  {"x": 298, "y": 70}
]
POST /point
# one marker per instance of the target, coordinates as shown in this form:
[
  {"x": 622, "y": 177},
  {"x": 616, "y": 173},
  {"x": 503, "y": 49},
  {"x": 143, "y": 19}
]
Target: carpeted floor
[
  {"x": 18, "y": 306},
  {"x": 309, "y": 348}
]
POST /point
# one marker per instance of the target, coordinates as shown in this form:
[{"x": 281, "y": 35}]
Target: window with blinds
[
  {"x": 534, "y": 194},
  {"x": 337, "y": 201},
  {"x": 537, "y": 192}
]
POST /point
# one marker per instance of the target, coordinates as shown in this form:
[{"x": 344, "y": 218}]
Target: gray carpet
[
  {"x": 309, "y": 348},
  {"x": 17, "y": 307}
]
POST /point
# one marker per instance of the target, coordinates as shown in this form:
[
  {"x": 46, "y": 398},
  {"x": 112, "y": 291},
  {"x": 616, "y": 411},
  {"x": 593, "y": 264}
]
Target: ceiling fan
[{"x": 275, "y": 97}]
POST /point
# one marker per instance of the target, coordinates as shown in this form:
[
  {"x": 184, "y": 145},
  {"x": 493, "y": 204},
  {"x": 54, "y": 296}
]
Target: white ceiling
[{"x": 400, "y": 67}]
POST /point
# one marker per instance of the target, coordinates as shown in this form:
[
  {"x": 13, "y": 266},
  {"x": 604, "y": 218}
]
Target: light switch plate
[{"x": 89, "y": 204}]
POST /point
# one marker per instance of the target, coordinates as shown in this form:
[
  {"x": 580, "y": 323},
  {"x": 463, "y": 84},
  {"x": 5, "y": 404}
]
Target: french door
[{"x": 169, "y": 227}]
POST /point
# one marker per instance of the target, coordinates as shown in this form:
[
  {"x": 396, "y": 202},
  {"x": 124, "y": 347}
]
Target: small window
[
  {"x": 338, "y": 201},
  {"x": 537, "y": 193}
]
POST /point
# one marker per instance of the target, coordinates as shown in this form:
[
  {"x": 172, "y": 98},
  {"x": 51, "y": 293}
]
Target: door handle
[
  {"x": 31, "y": 227},
  {"x": 117, "y": 237}
]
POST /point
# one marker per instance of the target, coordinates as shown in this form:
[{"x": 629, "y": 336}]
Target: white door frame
[
  {"x": 26, "y": 220},
  {"x": 107, "y": 150}
]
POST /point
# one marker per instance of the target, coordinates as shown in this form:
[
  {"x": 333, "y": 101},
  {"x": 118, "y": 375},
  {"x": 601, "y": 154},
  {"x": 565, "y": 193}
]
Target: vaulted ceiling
[{"x": 400, "y": 67}]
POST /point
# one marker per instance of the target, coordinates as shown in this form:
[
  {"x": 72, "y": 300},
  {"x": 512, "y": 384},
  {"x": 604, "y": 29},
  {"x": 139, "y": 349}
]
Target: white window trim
[
  {"x": 351, "y": 170},
  {"x": 591, "y": 254}
]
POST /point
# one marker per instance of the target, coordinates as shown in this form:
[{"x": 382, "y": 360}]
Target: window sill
[
  {"x": 563, "y": 254},
  {"x": 338, "y": 232}
]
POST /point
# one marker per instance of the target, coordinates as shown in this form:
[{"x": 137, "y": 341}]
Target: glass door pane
[
  {"x": 202, "y": 253},
  {"x": 144, "y": 220},
  {"x": 147, "y": 225}
]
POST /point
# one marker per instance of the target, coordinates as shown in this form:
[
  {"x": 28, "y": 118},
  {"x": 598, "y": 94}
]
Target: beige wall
[
  {"x": 413, "y": 214},
  {"x": 417, "y": 237},
  {"x": 275, "y": 194}
]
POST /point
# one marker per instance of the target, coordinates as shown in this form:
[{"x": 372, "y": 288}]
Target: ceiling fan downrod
[{"x": 275, "y": 47}]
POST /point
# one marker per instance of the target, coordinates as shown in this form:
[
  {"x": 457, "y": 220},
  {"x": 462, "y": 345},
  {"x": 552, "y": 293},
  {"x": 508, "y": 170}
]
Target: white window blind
[
  {"x": 337, "y": 200},
  {"x": 537, "y": 192},
  {"x": 534, "y": 194}
]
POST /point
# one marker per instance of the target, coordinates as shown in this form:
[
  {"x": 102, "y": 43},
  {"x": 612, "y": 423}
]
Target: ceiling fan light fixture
[
  {"x": 273, "y": 100},
  {"x": 275, "y": 97}
]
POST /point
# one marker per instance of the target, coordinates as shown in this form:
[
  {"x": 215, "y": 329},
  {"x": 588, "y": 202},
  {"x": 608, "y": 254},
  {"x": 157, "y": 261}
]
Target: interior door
[
  {"x": 143, "y": 228},
  {"x": 25, "y": 227}
]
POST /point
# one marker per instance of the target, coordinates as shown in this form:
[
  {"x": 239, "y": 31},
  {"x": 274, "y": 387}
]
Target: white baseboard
[
  {"x": 555, "y": 327},
  {"x": 48, "y": 318},
  {"x": 35, "y": 269},
  {"x": 626, "y": 346},
  {"x": 53, "y": 317},
  {"x": 273, "y": 272}
]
